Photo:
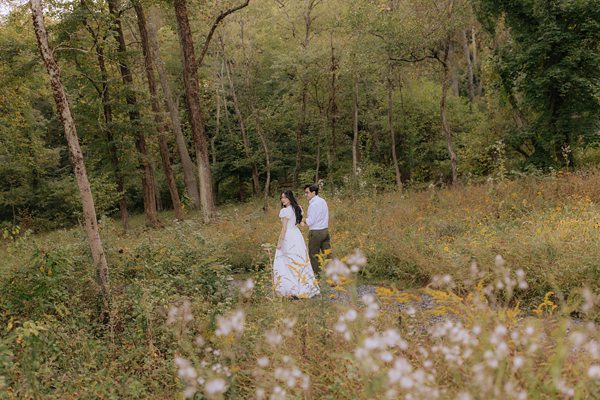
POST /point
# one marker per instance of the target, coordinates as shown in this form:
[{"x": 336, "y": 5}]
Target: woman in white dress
[{"x": 293, "y": 275}]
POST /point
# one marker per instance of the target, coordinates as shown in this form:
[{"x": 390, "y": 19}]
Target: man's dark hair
[{"x": 312, "y": 187}]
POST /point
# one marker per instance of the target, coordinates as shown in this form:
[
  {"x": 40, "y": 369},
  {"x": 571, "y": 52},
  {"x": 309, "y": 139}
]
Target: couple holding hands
[{"x": 294, "y": 266}]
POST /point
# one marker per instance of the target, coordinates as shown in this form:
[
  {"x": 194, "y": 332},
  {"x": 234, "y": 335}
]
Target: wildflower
[
  {"x": 189, "y": 392},
  {"x": 463, "y": 396},
  {"x": 441, "y": 281},
  {"x": 263, "y": 362},
  {"x": 499, "y": 261},
  {"x": 336, "y": 270},
  {"x": 372, "y": 307},
  {"x": 518, "y": 362},
  {"x": 577, "y": 339},
  {"x": 356, "y": 261},
  {"x": 273, "y": 338},
  {"x": 590, "y": 300},
  {"x": 247, "y": 287},
  {"x": 215, "y": 387},
  {"x": 562, "y": 387},
  {"x": 183, "y": 313},
  {"x": 278, "y": 393},
  {"x": 185, "y": 370},
  {"x": 233, "y": 323},
  {"x": 199, "y": 341},
  {"x": 288, "y": 324},
  {"x": 260, "y": 393},
  {"x": 594, "y": 371}
]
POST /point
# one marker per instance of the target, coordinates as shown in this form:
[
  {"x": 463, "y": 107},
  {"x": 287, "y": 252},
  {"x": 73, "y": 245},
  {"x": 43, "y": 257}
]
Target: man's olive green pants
[{"x": 318, "y": 242}]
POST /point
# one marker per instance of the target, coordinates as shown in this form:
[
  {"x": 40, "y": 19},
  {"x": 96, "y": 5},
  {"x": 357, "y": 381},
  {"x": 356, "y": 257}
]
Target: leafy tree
[{"x": 548, "y": 65}]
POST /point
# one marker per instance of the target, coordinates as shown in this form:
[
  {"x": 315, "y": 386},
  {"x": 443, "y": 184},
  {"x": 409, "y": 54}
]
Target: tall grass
[{"x": 52, "y": 344}]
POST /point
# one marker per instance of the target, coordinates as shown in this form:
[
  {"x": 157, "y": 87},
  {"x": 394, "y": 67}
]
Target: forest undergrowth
[{"x": 512, "y": 268}]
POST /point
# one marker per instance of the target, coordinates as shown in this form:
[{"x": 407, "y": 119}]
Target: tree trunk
[
  {"x": 475, "y": 61},
  {"x": 189, "y": 177},
  {"x": 452, "y": 71},
  {"x": 245, "y": 139},
  {"x": 467, "y": 54},
  {"x": 318, "y": 160},
  {"x": 66, "y": 118},
  {"x": 355, "y": 128},
  {"x": 390, "y": 110},
  {"x": 104, "y": 92},
  {"x": 158, "y": 119},
  {"x": 265, "y": 146},
  {"x": 259, "y": 131},
  {"x": 443, "y": 111},
  {"x": 134, "y": 116},
  {"x": 213, "y": 139},
  {"x": 301, "y": 128},
  {"x": 332, "y": 154},
  {"x": 192, "y": 91},
  {"x": 112, "y": 145}
]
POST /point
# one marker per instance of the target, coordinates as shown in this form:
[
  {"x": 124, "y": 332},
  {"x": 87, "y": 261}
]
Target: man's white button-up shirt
[{"x": 318, "y": 214}]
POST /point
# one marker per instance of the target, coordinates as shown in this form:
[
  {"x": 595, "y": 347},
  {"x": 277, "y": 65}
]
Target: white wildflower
[
  {"x": 185, "y": 370},
  {"x": 577, "y": 338},
  {"x": 336, "y": 270},
  {"x": 273, "y": 338},
  {"x": 247, "y": 287},
  {"x": 356, "y": 261},
  {"x": 463, "y": 396},
  {"x": 594, "y": 371},
  {"x": 232, "y": 323},
  {"x": 183, "y": 313},
  {"x": 263, "y": 362},
  {"x": 518, "y": 362},
  {"x": 372, "y": 307},
  {"x": 278, "y": 394},
  {"x": 215, "y": 386},
  {"x": 499, "y": 261},
  {"x": 189, "y": 392}
]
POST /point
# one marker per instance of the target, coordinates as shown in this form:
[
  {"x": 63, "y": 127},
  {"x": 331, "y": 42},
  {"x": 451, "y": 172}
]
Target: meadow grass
[{"x": 172, "y": 330}]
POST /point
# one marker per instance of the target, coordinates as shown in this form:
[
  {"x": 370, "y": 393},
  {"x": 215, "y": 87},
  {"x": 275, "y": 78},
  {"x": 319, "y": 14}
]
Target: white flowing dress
[{"x": 293, "y": 274}]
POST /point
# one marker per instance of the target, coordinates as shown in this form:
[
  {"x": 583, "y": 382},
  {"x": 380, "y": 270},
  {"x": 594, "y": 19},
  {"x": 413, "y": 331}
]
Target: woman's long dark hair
[{"x": 294, "y": 204}]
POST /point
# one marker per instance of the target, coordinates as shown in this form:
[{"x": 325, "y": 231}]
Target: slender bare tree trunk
[
  {"x": 452, "y": 71},
  {"x": 467, "y": 54},
  {"x": 355, "y": 128},
  {"x": 134, "y": 116},
  {"x": 265, "y": 146},
  {"x": 443, "y": 111},
  {"x": 390, "y": 110},
  {"x": 318, "y": 160},
  {"x": 154, "y": 104},
  {"x": 112, "y": 145},
  {"x": 258, "y": 125},
  {"x": 104, "y": 93},
  {"x": 332, "y": 154},
  {"x": 309, "y": 5},
  {"x": 66, "y": 118},
  {"x": 189, "y": 177},
  {"x": 475, "y": 61},
  {"x": 213, "y": 139},
  {"x": 244, "y": 132},
  {"x": 192, "y": 90}
]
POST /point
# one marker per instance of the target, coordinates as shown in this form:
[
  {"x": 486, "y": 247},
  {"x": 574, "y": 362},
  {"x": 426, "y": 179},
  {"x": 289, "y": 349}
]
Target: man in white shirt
[{"x": 317, "y": 219}]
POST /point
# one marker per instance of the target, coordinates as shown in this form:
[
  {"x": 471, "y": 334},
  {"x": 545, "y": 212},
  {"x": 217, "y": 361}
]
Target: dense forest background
[{"x": 367, "y": 95}]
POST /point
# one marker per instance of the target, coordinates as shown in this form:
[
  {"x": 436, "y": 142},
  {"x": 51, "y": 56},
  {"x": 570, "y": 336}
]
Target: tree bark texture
[
  {"x": 192, "y": 91},
  {"x": 66, "y": 118}
]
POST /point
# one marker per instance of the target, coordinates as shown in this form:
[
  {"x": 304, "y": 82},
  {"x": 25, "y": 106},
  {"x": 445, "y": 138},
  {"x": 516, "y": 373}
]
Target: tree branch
[{"x": 220, "y": 18}]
